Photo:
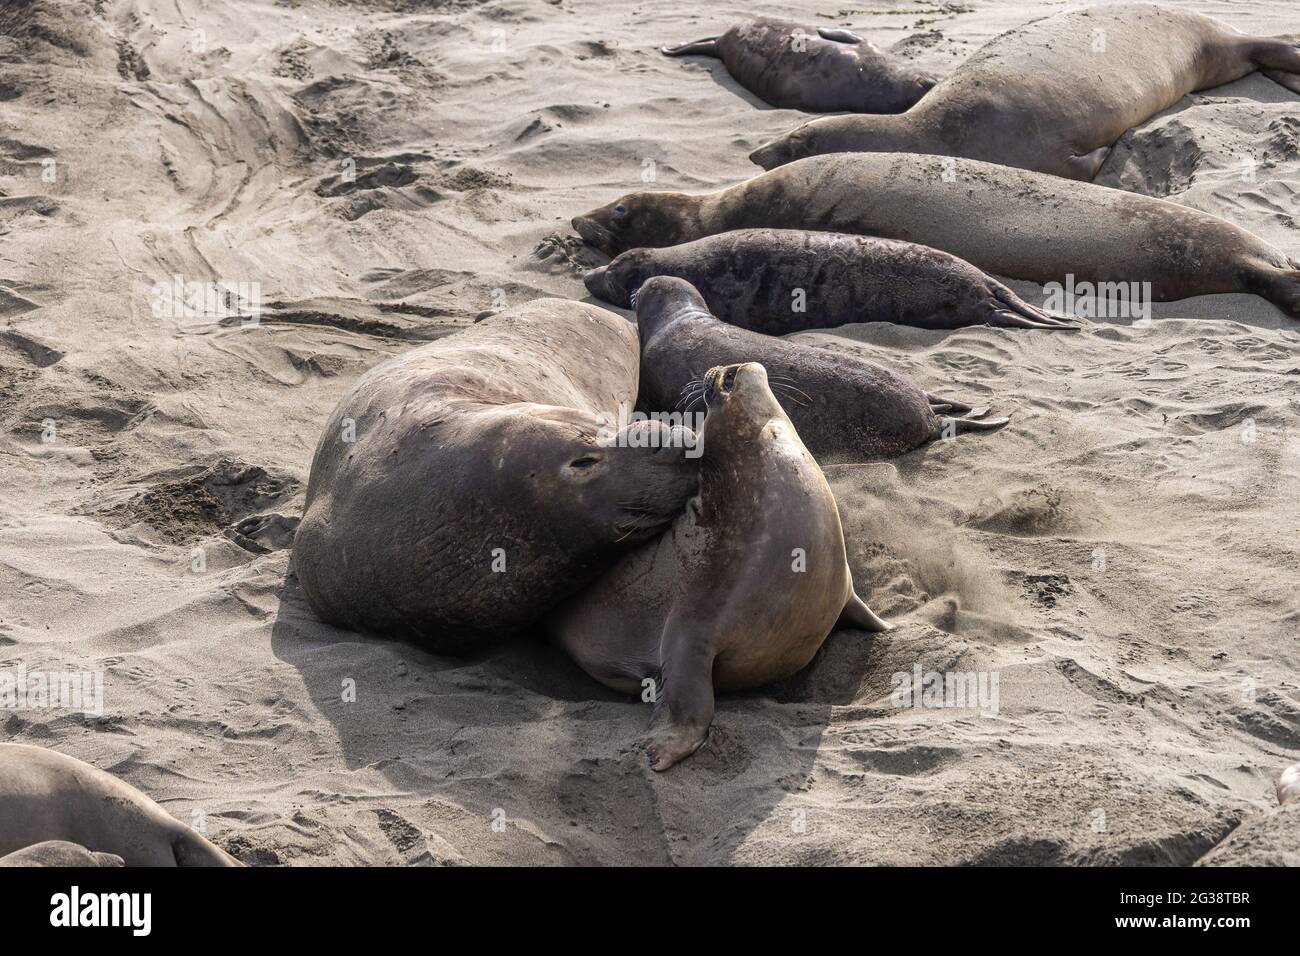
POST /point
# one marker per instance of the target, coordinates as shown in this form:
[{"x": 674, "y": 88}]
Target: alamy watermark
[
  {"x": 23, "y": 689},
  {"x": 1100, "y": 300},
  {"x": 956, "y": 690},
  {"x": 683, "y": 430},
  {"x": 206, "y": 302}
]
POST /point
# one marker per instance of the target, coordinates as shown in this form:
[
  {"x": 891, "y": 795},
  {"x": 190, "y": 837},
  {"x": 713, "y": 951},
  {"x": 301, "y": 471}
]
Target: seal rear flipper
[
  {"x": 858, "y": 617},
  {"x": 706, "y": 47},
  {"x": 191, "y": 849},
  {"x": 1016, "y": 313},
  {"x": 838, "y": 35},
  {"x": 1279, "y": 286},
  {"x": 1289, "y": 80},
  {"x": 951, "y": 427}
]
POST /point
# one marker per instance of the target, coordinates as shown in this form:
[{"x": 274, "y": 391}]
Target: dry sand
[{"x": 1123, "y": 556}]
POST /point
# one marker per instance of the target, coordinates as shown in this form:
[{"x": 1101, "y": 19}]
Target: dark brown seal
[
  {"x": 817, "y": 69},
  {"x": 743, "y": 589},
  {"x": 46, "y": 795},
  {"x": 1055, "y": 94},
  {"x": 777, "y": 281},
  {"x": 1010, "y": 222},
  {"x": 463, "y": 489},
  {"x": 845, "y": 408}
]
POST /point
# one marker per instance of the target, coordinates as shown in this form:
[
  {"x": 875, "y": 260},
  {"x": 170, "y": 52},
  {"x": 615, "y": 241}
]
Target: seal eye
[
  {"x": 620, "y": 210},
  {"x": 586, "y": 461},
  {"x": 729, "y": 379}
]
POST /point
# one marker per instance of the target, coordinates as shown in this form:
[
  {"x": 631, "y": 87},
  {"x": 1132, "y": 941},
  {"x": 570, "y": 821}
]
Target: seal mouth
[{"x": 594, "y": 234}]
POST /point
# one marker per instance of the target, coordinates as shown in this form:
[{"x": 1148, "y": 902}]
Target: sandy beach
[{"x": 374, "y": 174}]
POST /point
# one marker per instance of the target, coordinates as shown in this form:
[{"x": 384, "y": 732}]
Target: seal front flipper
[
  {"x": 683, "y": 696},
  {"x": 1289, "y": 80},
  {"x": 839, "y": 36},
  {"x": 706, "y": 47},
  {"x": 858, "y": 617}
]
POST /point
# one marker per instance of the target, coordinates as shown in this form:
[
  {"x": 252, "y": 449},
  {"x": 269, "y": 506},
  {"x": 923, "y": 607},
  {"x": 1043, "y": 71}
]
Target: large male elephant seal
[
  {"x": 60, "y": 853},
  {"x": 1011, "y": 222},
  {"x": 845, "y": 408},
  {"x": 789, "y": 280},
  {"x": 1055, "y": 94},
  {"x": 816, "y": 69},
  {"x": 741, "y": 591},
  {"x": 45, "y": 795},
  {"x": 462, "y": 489}
]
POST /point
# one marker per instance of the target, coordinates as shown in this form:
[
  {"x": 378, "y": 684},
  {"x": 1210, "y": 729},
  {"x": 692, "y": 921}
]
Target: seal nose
[
  {"x": 768, "y": 155},
  {"x": 597, "y": 283}
]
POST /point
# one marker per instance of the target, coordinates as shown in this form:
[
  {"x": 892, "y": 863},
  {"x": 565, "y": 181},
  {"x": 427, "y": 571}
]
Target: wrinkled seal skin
[
  {"x": 845, "y": 408},
  {"x": 1044, "y": 97},
  {"x": 818, "y": 70},
  {"x": 481, "y": 447},
  {"x": 45, "y": 796},
  {"x": 718, "y": 602},
  {"x": 59, "y": 853},
  {"x": 1010, "y": 222},
  {"x": 777, "y": 281}
]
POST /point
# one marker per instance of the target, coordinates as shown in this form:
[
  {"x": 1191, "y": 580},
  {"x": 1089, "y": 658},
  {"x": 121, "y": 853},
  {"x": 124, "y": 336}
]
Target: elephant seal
[
  {"x": 1010, "y": 222},
  {"x": 778, "y": 281},
  {"x": 60, "y": 853},
  {"x": 1288, "y": 785},
  {"x": 743, "y": 589},
  {"x": 463, "y": 489},
  {"x": 46, "y": 795},
  {"x": 1055, "y": 94},
  {"x": 844, "y": 408},
  {"x": 815, "y": 69}
]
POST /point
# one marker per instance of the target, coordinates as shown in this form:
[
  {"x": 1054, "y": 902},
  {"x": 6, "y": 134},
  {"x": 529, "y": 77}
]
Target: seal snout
[
  {"x": 598, "y": 284},
  {"x": 594, "y": 233},
  {"x": 773, "y": 154}
]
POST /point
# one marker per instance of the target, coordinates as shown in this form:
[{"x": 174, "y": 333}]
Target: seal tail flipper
[
  {"x": 706, "y": 47},
  {"x": 838, "y": 35},
  {"x": 858, "y": 617},
  {"x": 938, "y": 404},
  {"x": 1289, "y": 80},
  {"x": 191, "y": 849},
  {"x": 951, "y": 427},
  {"x": 1016, "y": 313},
  {"x": 1281, "y": 287}
]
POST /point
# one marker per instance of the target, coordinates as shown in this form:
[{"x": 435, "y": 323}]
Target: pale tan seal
[
  {"x": 741, "y": 591},
  {"x": 46, "y": 795},
  {"x": 1010, "y": 222},
  {"x": 1055, "y": 94}
]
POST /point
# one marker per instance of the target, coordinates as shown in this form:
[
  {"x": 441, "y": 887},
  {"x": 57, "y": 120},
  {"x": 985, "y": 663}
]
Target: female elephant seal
[
  {"x": 741, "y": 591},
  {"x": 786, "y": 280},
  {"x": 1055, "y": 94},
  {"x": 60, "y": 853},
  {"x": 843, "y": 407},
  {"x": 463, "y": 489},
  {"x": 45, "y": 795},
  {"x": 816, "y": 69},
  {"x": 1011, "y": 222}
]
